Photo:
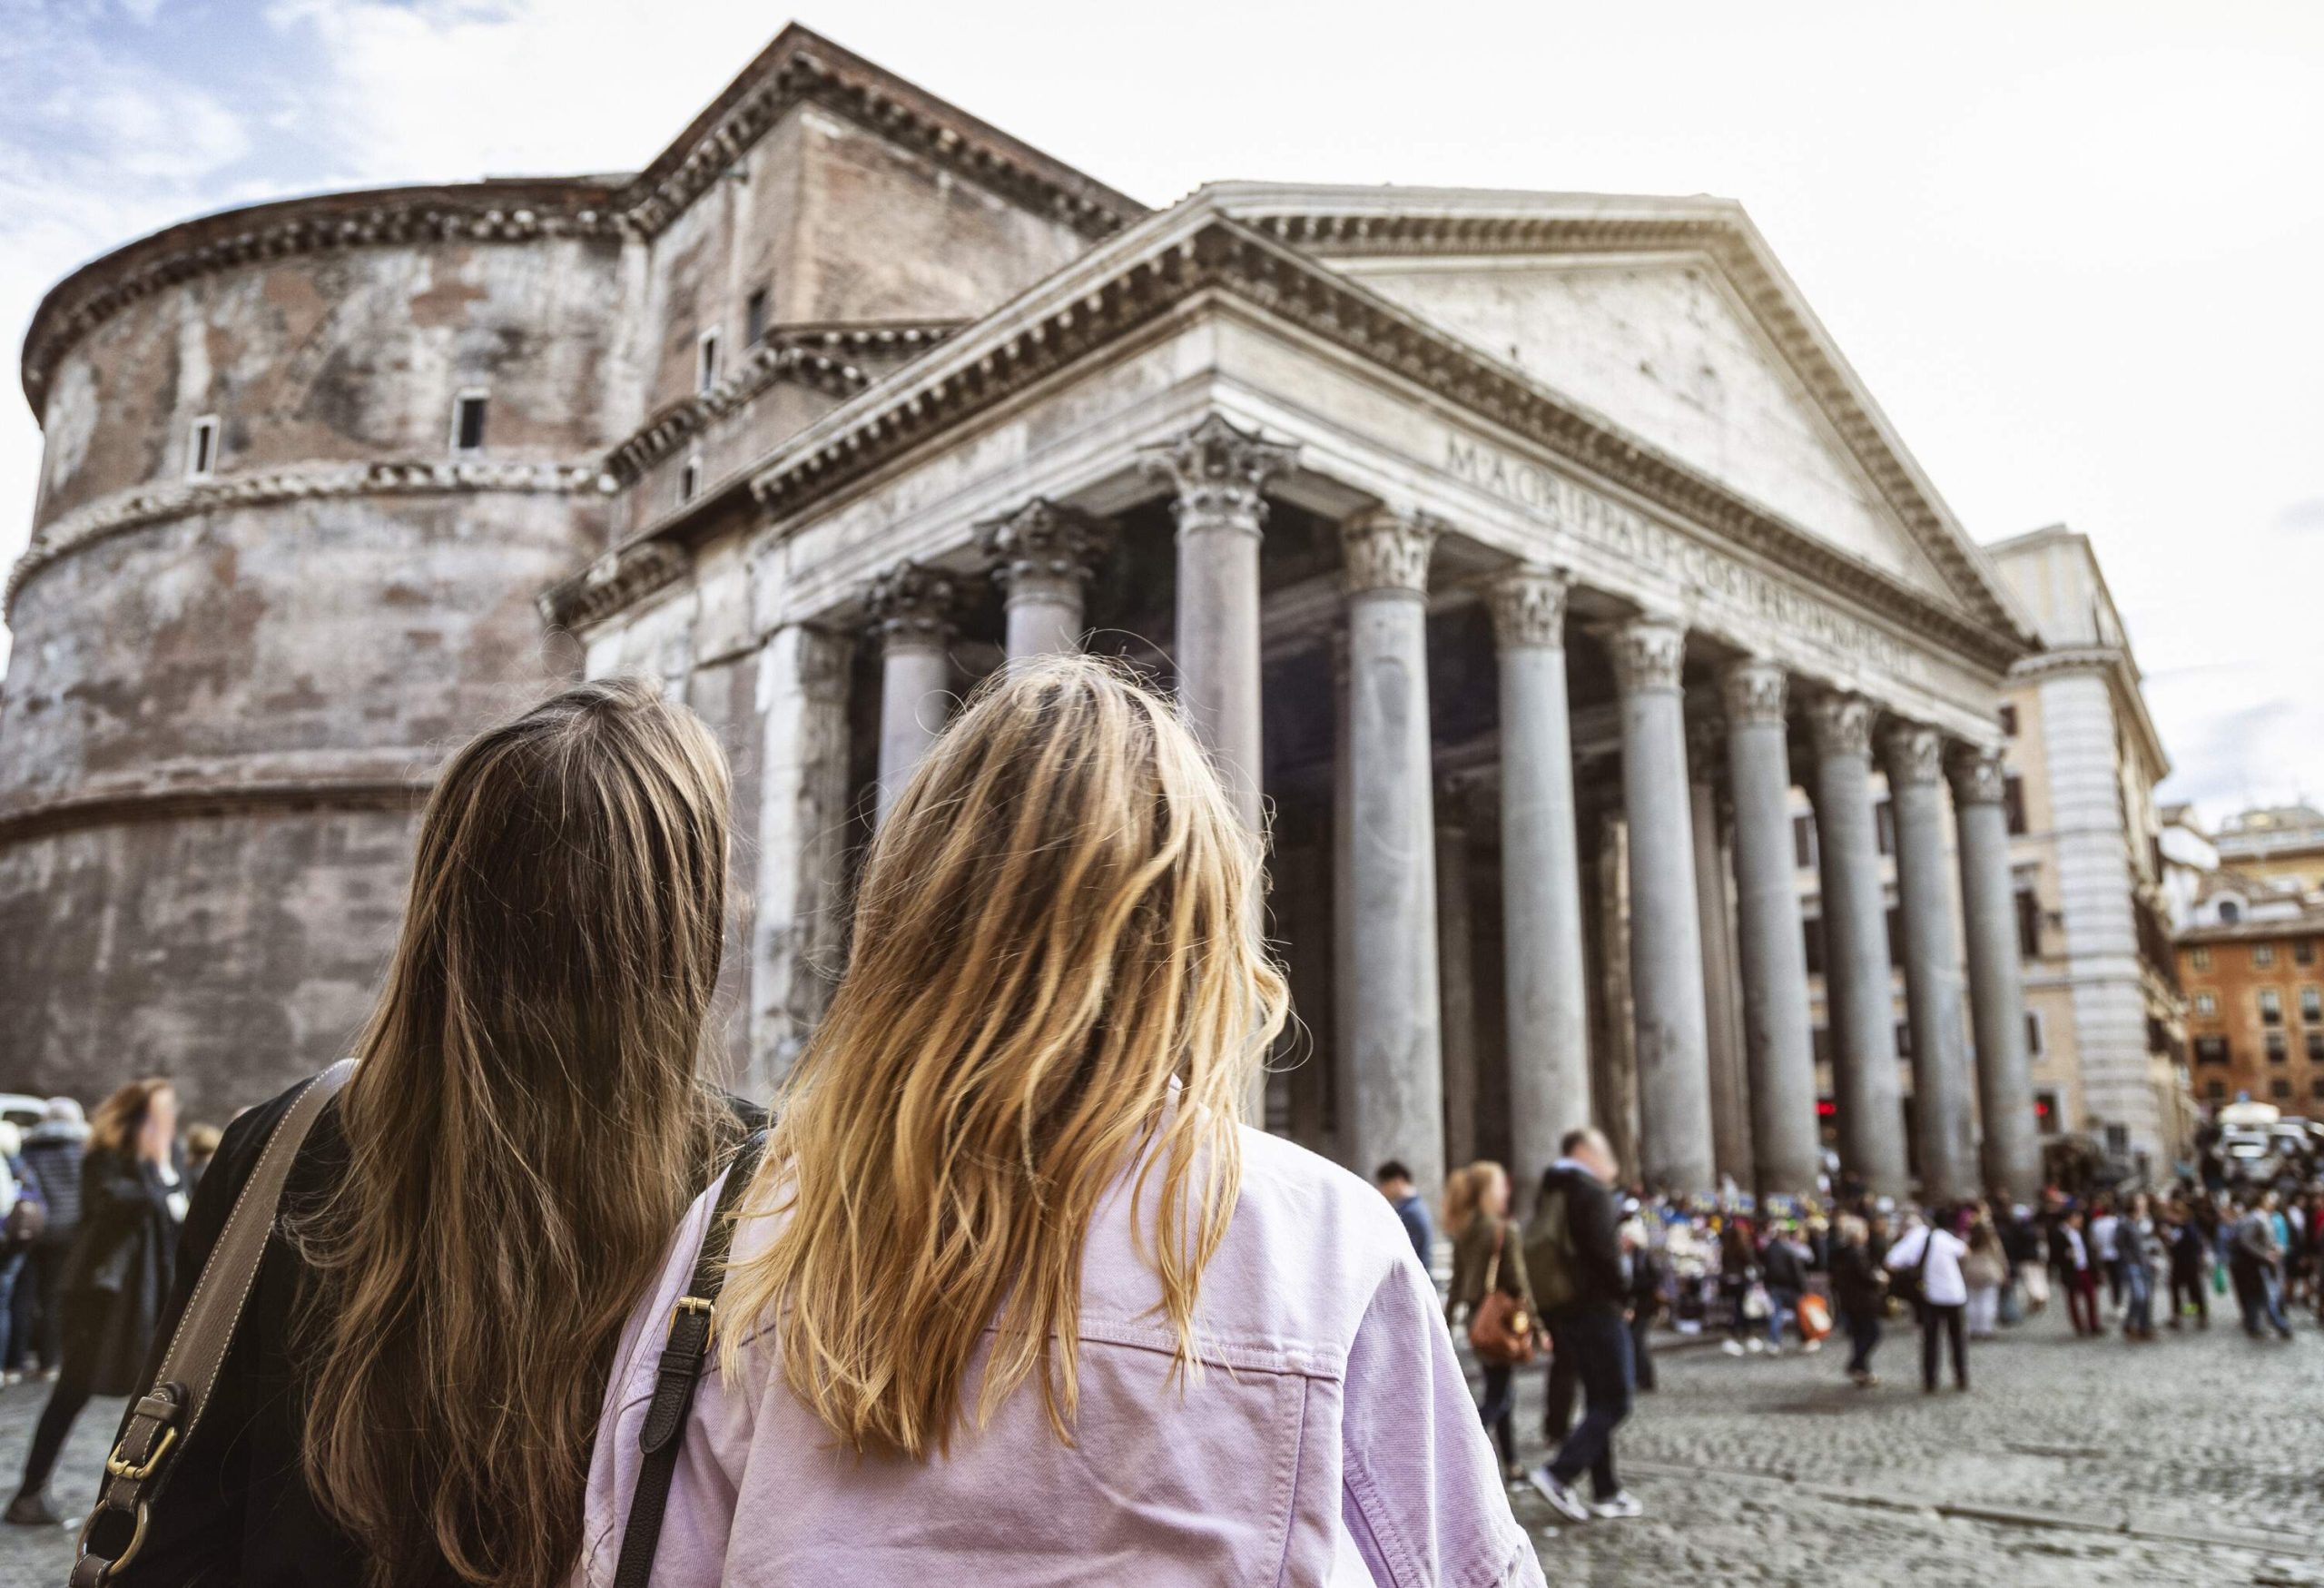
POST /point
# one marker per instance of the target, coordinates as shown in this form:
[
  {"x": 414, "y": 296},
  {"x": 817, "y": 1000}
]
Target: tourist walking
[
  {"x": 117, "y": 1276},
  {"x": 1488, "y": 1259},
  {"x": 21, "y": 1214},
  {"x": 2190, "y": 1262},
  {"x": 2256, "y": 1268},
  {"x": 2134, "y": 1253},
  {"x": 2077, "y": 1272},
  {"x": 1983, "y": 1271},
  {"x": 1784, "y": 1262},
  {"x": 2023, "y": 1245},
  {"x": 1644, "y": 1266},
  {"x": 1395, "y": 1183},
  {"x": 1933, "y": 1255},
  {"x": 2103, "y": 1224},
  {"x": 1740, "y": 1293},
  {"x": 1574, "y": 1256},
  {"x": 1011, "y": 1288},
  {"x": 419, "y": 1366},
  {"x": 1860, "y": 1291},
  {"x": 52, "y": 1159}
]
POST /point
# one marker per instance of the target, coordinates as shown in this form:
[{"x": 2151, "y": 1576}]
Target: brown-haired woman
[
  {"x": 134, "y": 1193},
  {"x": 412, "y": 1391},
  {"x": 1487, "y": 1255},
  {"x": 1013, "y": 1298}
]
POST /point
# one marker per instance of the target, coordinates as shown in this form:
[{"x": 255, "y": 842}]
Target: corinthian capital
[
  {"x": 1387, "y": 549},
  {"x": 1975, "y": 773},
  {"x": 1528, "y": 609},
  {"x": 1649, "y": 653},
  {"x": 911, "y": 605},
  {"x": 1043, "y": 540},
  {"x": 1753, "y": 693},
  {"x": 1910, "y": 753},
  {"x": 1841, "y": 725},
  {"x": 1218, "y": 472}
]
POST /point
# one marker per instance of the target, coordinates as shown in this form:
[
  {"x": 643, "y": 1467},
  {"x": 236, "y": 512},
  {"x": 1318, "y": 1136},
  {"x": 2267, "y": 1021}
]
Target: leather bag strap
[
  {"x": 164, "y": 1416},
  {"x": 684, "y": 1352}
]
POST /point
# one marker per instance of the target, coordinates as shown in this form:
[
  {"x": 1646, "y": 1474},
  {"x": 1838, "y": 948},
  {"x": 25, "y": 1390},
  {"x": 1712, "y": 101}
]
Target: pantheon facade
[{"x": 1516, "y": 553}]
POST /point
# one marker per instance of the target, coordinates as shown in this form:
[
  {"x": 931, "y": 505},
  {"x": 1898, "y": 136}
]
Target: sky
[{"x": 2072, "y": 248}]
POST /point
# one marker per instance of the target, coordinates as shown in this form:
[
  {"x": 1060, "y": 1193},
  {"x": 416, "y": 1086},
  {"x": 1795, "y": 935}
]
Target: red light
[{"x": 1825, "y": 1108}]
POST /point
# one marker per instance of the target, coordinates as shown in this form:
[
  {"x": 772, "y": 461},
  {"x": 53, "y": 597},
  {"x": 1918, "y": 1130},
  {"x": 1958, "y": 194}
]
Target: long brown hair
[
  {"x": 524, "y": 1129},
  {"x": 115, "y": 1126},
  {"x": 1056, "y": 969}
]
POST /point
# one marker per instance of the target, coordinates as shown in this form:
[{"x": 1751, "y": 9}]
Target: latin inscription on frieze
[{"x": 1701, "y": 571}]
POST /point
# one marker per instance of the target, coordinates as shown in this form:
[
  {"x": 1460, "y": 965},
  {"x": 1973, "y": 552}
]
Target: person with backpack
[
  {"x": 1925, "y": 1267},
  {"x": 1573, "y": 1255},
  {"x": 411, "y": 1390},
  {"x": 52, "y": 1159},
  {"x": 1489, "y": 1262},
  {"x": 1012, "y": 1294}
]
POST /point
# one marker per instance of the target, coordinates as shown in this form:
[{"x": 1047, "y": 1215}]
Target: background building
[
  {"x": 2105, "y": 1017},
  {"x": 2275, "y": 844},
  {"x": 2252, "y": 960}
]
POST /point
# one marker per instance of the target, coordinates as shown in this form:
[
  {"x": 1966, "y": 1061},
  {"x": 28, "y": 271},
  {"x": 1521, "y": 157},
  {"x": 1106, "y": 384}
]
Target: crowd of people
[{"x": 1784, "y": 1278}]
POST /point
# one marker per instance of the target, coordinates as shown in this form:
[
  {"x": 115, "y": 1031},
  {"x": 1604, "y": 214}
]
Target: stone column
[
  {"x": 802, "y": 830},
  {"x": 1779, "y": 1045},
  {"x": 1398, "y": 1106},
  {"x": 1043, "y": 555},
  {"x": 1675, "y": 1149},
  {"x": 1731, "y": 1119},
  {"x": 1548, "y": 990},
  {"x": 1912, "y": 756},
  {"x": 1218, "y": 472},
  {"x": 2012, "y": 1145},
  {"x": 1456, "y": 978},
  {"x": 911, "y": 611},
  {"x": 1864, "y": 1082}
]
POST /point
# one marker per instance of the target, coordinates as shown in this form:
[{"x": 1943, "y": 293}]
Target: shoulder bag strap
[
  {"x": 684, "y": 1354},
  {"x": 163, "y": 1419}
]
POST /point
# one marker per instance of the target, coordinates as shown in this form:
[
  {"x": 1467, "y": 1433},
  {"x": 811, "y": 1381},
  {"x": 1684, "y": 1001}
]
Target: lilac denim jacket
[{"x": 1331, "y": 1439}]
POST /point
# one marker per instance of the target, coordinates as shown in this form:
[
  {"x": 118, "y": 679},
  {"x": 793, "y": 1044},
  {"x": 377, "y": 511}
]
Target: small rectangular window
[
  {"x": 2206, "y": 1005},
  {"x": 689, "y": 479},
  {"x": 2032, "y": 1034},
  {"x": 2200, "y": 959},
  {"x": 2009, "y": 721},
  {"x": 2280, "y": 1087},
  {"x": 2216, "y": 1090},
  {"x": 2303, "y": 950},
  {"x": 2012, "y": 800},
  {"x": 2045, "y": 1112},
  {"x": 2272, "y": 1006},
  {"x": 468, "y": 422},
  {"x": 707, "y": 365},
  {"x": 2311, "y": 1005},
  {"x": 2279, "y": 1050},
  {"x": 2211, "y": 1051},
  {"x": 202, "y": 447},
  {"x": 754, "y": 319},
  {"x": 2029, "y": 925},
  {"x": 2263, "y": 954},
  {"x": 2315, "y": 1040}
]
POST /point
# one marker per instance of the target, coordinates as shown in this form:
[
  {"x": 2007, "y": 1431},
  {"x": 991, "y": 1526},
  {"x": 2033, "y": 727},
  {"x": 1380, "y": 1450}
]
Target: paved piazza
[{"x": 2193, "y": 1461}]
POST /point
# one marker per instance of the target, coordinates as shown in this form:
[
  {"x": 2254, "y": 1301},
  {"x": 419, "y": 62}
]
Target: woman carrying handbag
[{"x": 1488, "y": 1283}]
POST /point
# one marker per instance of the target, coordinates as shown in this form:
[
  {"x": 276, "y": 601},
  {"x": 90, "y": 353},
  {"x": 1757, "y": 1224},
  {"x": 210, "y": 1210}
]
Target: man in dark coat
[
  {"x": 1583, "y": 1293},
  {"x": 52, "y": 1159}
]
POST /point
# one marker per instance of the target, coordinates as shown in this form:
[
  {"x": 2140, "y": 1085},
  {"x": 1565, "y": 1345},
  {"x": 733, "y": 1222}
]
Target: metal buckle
[
  {"x": 121, "y": 1468},
  {"x": 137, "y": 1540},
  {"x": 687, "y": 1304}
]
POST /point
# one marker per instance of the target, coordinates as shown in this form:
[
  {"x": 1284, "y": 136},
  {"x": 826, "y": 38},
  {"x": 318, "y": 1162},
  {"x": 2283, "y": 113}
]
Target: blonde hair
[
  {"x": 1464, "y": 1194},
  {"x": 1057, "y": 921},
  {"x": 524, "y": 1130}
]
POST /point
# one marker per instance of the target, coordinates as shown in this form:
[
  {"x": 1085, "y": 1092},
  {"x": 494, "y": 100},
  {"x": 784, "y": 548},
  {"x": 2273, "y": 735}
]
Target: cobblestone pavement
[{"x": 2198, "y": 1460}]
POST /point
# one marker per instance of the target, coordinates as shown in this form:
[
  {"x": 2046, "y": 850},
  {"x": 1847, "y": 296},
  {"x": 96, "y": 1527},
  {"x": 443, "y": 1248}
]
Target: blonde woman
[
  {"x": 1013, "y": 1298},
  {"x": 1488, "y": 1253},
  {"x": 416, "y": 1380}
]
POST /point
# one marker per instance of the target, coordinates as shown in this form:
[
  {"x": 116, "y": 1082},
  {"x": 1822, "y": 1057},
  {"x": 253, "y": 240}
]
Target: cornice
[
  {"x": 1719, "y": 230},
  {"x": 621, "y": 576},
  {"x": 799, "y": 67},
  {"x": 145, "y": 506},
  {"x": 780, "y": 357},
  {"x": 485, "y": 211},
  {"x": 995, "y": 359},
  {"x": 338, "y": 780}
]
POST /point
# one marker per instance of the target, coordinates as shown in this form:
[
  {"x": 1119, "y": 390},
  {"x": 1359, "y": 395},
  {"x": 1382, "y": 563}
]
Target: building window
[
  {"x": 2280, "y": 1087},
  {"x": 2118, "y": 1140},
  {"x": 2278, "y": 1048},
  {"x": 2315, "y": 1040},
  {"x": 2303, "y": 950},
  {"x": 2210, "y": 1050},
  {"x": 2230, "y": 912},
  {"x": 2045, "y": 1113},
  {"x": 2012, "y": 800},
  {"x": 2009, "y": 721},
  {"x": 2199, "y": 958},
  {"x": 2206, "y": 1005},
  {"x": 2033, "y": 1033},
  {"x": 2271, "y": 1006},
  {"x": 468, "y": 422},
  {"x": 707, "y": 362},
  {"x": 689, "y": 479},
  {"x": 754, "y": 319},
  {"x": 2029, "y": 925},
  {"x": 2216, "y": 1090},
  {"x": 2263, "y": 954},
  {"x": 1811, "y": 929},
  {"x": 2316, "y": 1086},
  {"x": 202, "y": 447},
  {"x": 1803, "y": 842},
  {"x": 2311, "y": 1005},
  {"x": 1895, "y": 923},
  {"x": 1819, "y": 1043},
  {"x": 1884, "y": 827}
]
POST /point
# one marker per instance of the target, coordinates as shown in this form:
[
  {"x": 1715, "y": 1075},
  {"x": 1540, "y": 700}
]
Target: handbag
[
  {"x": 683, "y": 1353},
  {"x": 1499, "y": 1330},
  {"x": 1757, "y": 1303},
  {"x": 163, "y": 1419}
]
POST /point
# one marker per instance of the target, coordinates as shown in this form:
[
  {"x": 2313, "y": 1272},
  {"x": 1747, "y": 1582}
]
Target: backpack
[{"x": 1549, "y": 1257}]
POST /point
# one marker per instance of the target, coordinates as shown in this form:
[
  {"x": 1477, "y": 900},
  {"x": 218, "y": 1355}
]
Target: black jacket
[
  {"x": 1591, "y": 1224},
  {"x": 52, "y": 1159},
  {"x": 1858, "y": 1281},
  {"x": 118, "y": 1274}
]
